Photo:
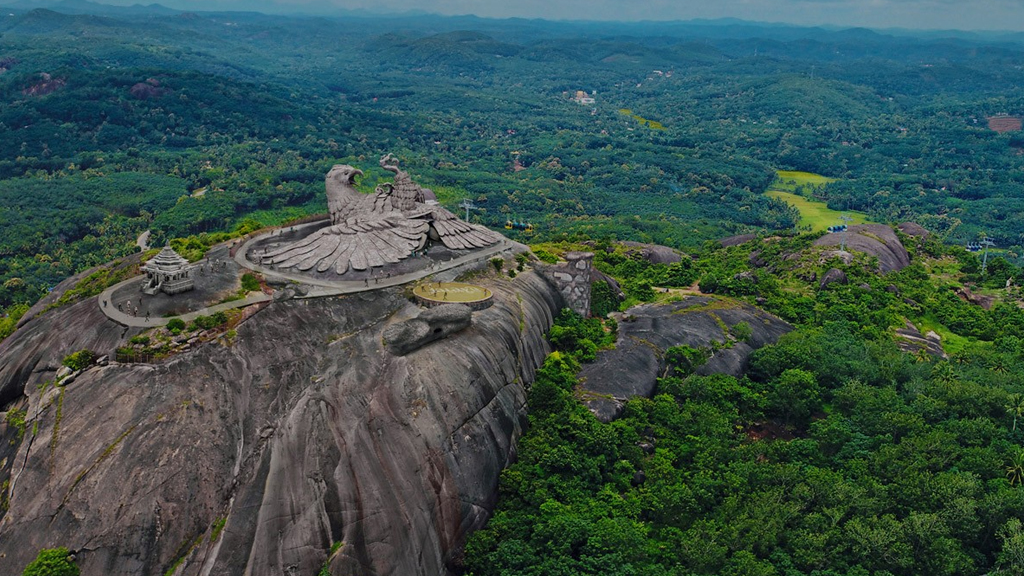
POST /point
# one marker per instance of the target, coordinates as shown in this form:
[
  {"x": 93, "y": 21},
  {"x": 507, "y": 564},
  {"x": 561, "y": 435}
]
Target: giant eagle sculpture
[{"x": 370, "y": 230}]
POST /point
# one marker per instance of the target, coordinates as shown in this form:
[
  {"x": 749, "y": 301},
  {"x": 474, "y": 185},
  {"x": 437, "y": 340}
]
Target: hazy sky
[{"x": 942, "y": 14}]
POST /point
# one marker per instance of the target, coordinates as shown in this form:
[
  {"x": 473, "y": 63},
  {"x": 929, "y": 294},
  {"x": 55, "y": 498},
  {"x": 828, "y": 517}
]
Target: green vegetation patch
[
  {"x": 652, "y": 124},
  {"x": 790, "y": 180},
  {"x": 52, "y": 562},
  {"x": 16, "y": 419},
  {"x": 79, "y": 360},
  {"x": 10, "y": 318},
  {"x": 952, "y": 343}
]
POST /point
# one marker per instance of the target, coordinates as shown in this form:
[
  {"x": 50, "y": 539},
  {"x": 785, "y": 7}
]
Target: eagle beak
[{"x": 352, "y": 175}]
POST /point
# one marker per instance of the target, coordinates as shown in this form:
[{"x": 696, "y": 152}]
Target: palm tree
[
  {"x": 944, "y": 374},
  {"x": 998, "y": 364},
  {"x": 1015, "y": 471},
  {"x": 1015, "y": 406}
]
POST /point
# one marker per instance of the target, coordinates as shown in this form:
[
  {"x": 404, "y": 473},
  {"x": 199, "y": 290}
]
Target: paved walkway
[
  {"x": 143, "y": 241},
  {"x": 108, "y": 307},
  {"x": 321, "y": 288}
]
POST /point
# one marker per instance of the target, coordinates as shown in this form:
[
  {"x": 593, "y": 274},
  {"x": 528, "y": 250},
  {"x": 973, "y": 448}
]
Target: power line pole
[
  {"x": 468, "y": 205},
  {"x": 986, "y": 242},
  {"x": 846, "y": 221}
]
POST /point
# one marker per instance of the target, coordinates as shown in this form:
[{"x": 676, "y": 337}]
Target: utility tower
[
  {"x": 986, "y": 242},
  {"x": 468, "y": 205},
  {"x": 846, "y": 220}
]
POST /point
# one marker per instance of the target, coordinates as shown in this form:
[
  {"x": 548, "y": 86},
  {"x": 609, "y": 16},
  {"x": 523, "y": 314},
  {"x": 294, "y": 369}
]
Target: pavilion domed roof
[{"x": 166, "y": 261}]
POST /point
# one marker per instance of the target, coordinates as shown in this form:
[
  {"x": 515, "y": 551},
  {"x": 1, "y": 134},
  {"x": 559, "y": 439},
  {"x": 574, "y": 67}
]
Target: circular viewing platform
[{"x": 431, "y": 294}]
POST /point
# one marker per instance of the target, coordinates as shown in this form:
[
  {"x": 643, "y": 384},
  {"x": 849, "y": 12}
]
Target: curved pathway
[
  {"x": 143, "y": 241},
  {"x": 107, "y": 305},
  {"x": 318, "y": 288}
]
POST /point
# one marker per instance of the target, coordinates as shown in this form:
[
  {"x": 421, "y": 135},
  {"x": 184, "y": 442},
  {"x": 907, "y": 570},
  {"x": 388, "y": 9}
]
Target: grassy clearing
[
  {"x": 788, "y": 180},
  {"x": 795, "y": 187},
  {"x": 816, "y": 215}
]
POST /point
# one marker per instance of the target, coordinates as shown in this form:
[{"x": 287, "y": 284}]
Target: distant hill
[{"x": 87, "y": 7}]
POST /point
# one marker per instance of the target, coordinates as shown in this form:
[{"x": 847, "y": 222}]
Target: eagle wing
[
  {"x": 358, "y": 243},
  {"x": 458, "y": 234}
]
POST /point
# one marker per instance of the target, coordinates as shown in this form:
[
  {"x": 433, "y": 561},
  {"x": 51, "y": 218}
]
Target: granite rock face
[
  {"x": 433, "y": 324},
  {"x": 736, "y": 240},
  {"x": 299, "y": 433},
  {"x": 646, "y": 331},
  {"x": 910, "y": 340},
  {"x": 875, "y": 239}
]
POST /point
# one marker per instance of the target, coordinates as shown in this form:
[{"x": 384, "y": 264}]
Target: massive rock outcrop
[
  {"x": 875, "y": 239},
  {"x": 633, "y": 367},
  {"x": 258, "y": 454}
]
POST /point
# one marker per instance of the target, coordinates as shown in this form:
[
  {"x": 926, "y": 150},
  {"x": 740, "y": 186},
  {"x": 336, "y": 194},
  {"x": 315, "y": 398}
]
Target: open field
[
  {"x": 816, "y": 214},
  {"x": 788, "y": 180},
  {"x": 813, "y": 214},
  {"x": 1003, "y": 124}
]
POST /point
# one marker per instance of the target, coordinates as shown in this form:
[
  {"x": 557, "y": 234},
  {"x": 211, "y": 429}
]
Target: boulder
[
  {"x": 655, "y": 253},
  {"x": 912, "y": 229},
  {"x": 433, "y": 324},
  {"x": 982, "y": 300},
  {"x": 745, "y": 276},
  {"x": 833, "y": 276},
  {"x": 755, "y": 259}
]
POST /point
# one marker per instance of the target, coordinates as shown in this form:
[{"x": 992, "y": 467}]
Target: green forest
[{"x": 837, "y": 452}]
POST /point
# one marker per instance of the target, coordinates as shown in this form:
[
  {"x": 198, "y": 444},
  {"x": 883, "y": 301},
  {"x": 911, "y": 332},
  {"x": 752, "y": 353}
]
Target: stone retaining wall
[{"x": 573, "y": 280}]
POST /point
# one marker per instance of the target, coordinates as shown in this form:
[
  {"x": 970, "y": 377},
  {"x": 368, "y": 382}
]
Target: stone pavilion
[{"x": 168, "y": 272}]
